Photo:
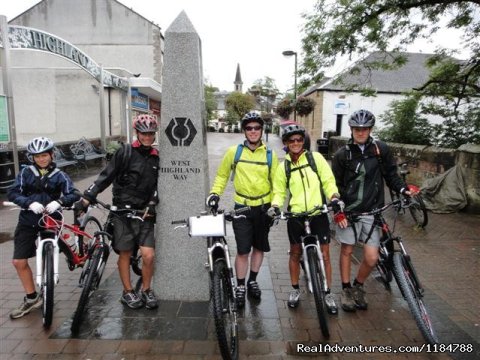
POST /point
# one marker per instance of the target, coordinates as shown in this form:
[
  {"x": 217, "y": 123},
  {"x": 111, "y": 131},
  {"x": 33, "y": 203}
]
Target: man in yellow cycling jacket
[
  {"x": 310, "y": 183},
  {"x": 252, "y": 180}
]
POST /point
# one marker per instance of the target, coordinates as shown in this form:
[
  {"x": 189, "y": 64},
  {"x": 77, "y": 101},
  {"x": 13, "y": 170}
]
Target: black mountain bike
[
  {"x": 395, "y": 262},
  {"x": 313, "y": 264},
  {"x": 98, "y": 251},
  {"x": 222, "y": 281}
]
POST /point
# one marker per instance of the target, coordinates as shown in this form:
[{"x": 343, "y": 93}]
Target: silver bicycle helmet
[
  {"x": 145, "y": 123},
  {"x": 292, "y": 130},
  {"x": 40, "y": 145},
  {"x": 251, "y": 117},
  {"x": 362, "y": 118}
]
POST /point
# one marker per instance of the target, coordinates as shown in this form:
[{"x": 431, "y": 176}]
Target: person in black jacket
[
  {"x": 360, "y": 168},
  {"x": 134, "y": 179},
  {"x": 38, "y": 188}
]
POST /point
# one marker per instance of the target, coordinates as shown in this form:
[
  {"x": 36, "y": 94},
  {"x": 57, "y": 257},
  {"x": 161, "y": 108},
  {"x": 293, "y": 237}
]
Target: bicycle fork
[
  {"x": 39, "y": 253},
  {"x": 321, "y": 264}
]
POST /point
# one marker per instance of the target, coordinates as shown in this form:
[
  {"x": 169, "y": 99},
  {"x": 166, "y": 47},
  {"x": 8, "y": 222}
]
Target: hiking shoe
[
  {"x": 240, "y": 296},
  {"x": 131, "y": 299},
  {"x": 294, "y": 298},
  {"x": 254, "y": 290},
  {"x": 331, "y": 306},
  {"x": 359, "y": 297},
  {"x": 149, "y": 298},
  {"x": 27, "y": 306},
  {"x": 346, "y": 299}
]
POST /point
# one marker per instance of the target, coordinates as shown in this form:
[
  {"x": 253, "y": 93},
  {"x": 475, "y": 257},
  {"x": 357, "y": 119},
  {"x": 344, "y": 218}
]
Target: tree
[
  {"x": 210, "y": 102},
  {"x": 355, "y": 28},
  {"x": 239, "y": 104},
  {"x": 405, "y": 123},
  {"x": 265, "y": 92}
]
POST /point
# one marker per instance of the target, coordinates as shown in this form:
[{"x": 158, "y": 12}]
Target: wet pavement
[{"x": 445, "y": 254}]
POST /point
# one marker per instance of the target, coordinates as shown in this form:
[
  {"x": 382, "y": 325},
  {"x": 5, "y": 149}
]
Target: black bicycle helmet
[
  {"x": 251, "y": 117},
  {"x": 362, "y": 118},
  {"x": 292, "y": 130},
  {"x": 40, "y": 145},
  {"x": 145, "y": 123}
]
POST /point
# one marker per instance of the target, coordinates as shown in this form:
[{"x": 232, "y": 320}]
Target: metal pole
[
  {"x": 101, "y": 94},
  {"x": 295, "y": 89},
  {"x": 7, "y": 89}
]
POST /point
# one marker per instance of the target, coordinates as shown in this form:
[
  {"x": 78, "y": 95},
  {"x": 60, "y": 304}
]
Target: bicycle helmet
[
  {"x": 145, "y": 123},
  {"x": 362, "y": 118},
  {"x": 40, "y": 145},
  {"x": 292, "y": 130},
  {"x": 251, "y": 117}
]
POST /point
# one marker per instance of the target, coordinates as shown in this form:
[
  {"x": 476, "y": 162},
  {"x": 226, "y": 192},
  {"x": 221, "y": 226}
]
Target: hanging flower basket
[
  {"x": 304, "y": 106},
  {"x": 285, "y": 108}
]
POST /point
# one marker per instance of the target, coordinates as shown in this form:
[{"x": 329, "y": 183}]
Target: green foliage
[
  {"x": 210, "y": 102},
  {"x": 239, "y": 104},
  {"x": 304, "y": 106},
  {"x": 405, "y": 123},
  {"x": 352, "y": 29},
  {"x": 285, "y": 108}
]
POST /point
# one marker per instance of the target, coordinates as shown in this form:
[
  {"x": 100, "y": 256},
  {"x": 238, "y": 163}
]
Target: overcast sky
[{"x": 252, "y": 33}]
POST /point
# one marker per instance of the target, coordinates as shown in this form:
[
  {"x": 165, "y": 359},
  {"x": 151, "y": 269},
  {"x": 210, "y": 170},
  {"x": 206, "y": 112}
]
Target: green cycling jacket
[
  {"x": 304, "y": 184},
  {"x": 253, "y": 178}
]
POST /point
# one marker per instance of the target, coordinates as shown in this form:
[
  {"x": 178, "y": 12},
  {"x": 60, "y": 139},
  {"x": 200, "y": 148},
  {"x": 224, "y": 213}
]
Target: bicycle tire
[
  {"x": 90, "y": 225},
  {"x": 318, "y": 290},
  {"x": 223, "y": 303},
  {"x": 402, "y": 270},
  {"x": 88, "y": 287},
  {"x": 418, "y": 211},
  {"x": 48, "y": 285}
]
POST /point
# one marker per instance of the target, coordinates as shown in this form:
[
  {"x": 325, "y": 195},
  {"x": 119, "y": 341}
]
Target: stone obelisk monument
[{"x": 183, "y": 180}]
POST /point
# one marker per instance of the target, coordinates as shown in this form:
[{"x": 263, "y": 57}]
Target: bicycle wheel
[
  {"x": 223, "y": 311},
  {"x": 93, "y": 264},
  {"x": 402, "y": 270},
  {"x": 90, "y": 225},
  {"x": 318, "y": 290},
  {"x": 418, "y": 211},
  {"x": 47, "y": 285}
]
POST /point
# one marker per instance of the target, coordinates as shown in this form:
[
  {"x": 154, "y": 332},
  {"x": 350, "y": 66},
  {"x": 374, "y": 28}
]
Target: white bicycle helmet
[{"x": 40, "y": 145}]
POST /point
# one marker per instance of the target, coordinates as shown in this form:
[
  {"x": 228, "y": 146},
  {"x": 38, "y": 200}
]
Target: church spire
[{"x": 238, "y": 80}]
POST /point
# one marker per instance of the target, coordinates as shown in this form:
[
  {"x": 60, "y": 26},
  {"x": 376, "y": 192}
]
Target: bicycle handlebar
[
  {"x": 285, "y": 215},
  {"x": 228, "y": 214},
  {"x": 374, "y": 211}
]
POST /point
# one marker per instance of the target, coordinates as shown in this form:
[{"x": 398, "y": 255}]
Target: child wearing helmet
[
  {"x": 40, "y": 187},
  {"x": 134, "y": 179},
  {"x": 310, "y": 182},
  {"x": 252, "y": 183}
]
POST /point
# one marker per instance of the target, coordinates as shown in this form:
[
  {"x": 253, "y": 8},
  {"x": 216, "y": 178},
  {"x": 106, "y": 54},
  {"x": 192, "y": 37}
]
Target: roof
[{"x": 412, "y": 74}]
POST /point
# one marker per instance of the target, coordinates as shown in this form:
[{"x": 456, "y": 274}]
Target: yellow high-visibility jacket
[
  {"x": 252, "y": 181},
  {"x": 304, "y": 185}
]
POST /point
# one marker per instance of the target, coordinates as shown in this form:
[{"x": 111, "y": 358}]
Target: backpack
[
  {"x": 377, "y": 152},
  {"x": 311, "y": 163},
  {"x": 238, "y": 154}
]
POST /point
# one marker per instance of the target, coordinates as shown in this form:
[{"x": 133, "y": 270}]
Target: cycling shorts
[
  {"x": 128, "y": 232},
  {"x": 358, "y": 232},
  {"x": 319, "y": 225},
  {"x": 24, "y": 241},
  {"x": 252, "y": 231}
]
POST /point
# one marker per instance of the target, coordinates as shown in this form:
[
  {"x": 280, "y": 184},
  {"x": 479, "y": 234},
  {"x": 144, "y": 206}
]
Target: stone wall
[{"x": 426, "y": 162}]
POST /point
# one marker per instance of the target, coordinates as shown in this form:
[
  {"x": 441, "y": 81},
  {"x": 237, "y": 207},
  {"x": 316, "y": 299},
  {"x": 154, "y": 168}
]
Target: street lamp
[{"x": 290, "y": 53}]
